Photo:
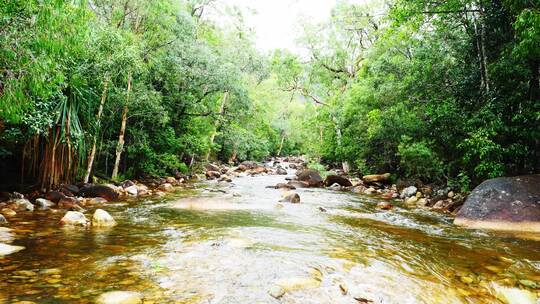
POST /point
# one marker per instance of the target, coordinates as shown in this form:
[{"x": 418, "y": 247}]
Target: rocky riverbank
[{"x": 416, "y": 194}]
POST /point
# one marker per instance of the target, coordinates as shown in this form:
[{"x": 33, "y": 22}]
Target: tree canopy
[{"x": 430, "y": 90}]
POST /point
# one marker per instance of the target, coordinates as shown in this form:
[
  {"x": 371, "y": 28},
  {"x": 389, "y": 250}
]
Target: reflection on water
[{"x": 201, "y": 246}]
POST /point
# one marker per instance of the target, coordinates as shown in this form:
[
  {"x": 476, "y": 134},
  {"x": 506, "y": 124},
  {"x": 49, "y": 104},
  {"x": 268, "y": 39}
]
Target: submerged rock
[
  {"x": 74, "y": 218},
  {"x": 504, "y": 203},
  {"x": 298, "y": 184},
  {"x": 290, "y": 197},
  {"x": 281, "y": 171},
  {"x": 282, "y": 186},
  {"x": 102, "y": 218},
  {"x": 8, "y": 212},
  {"x": 385, "y": 206},
  {"x": 119, "y": 297},
  {"x": 6, "y": 249}
]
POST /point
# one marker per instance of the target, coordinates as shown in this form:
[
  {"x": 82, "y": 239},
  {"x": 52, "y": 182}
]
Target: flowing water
[{"x": 202, "y": 246}]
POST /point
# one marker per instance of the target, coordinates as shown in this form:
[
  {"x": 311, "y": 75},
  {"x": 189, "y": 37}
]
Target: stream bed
[{"x": 200, "y": 245}]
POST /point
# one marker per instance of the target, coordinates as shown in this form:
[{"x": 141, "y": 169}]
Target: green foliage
[
  {"x": 60, "y": 60},
  {"x": 435, "y": 90},
  {"x": 416, "y": 159}
]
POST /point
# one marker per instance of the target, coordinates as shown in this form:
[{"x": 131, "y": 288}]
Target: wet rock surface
[
  {"x": 336, "y": 179},
  {"x": 95, "y": 190},
  {"x": 311, "y": 177},
  {"x": 505, "y": 203}
]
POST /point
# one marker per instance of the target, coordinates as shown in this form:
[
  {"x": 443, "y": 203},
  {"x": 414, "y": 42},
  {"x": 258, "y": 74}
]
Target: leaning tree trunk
[
  {"x": 281, "y": 143},
  {"x": 216, "y": 124},
  {"x": 120, "y": 145},
  {"x": 92, "y": 154}
]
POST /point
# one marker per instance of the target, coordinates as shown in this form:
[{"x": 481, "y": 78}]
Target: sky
[{"x": 276, "y": 22}]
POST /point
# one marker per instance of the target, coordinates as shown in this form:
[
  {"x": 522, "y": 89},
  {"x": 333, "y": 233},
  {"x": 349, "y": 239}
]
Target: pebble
[
  {"x": 119, "y": 297},
  {"x": 493, "y": 268},
  {"x": 276, "y": 291},
  {"x": 51, "y": 271},
  {"x": 466, "y": 280},
  {"x": 8, "y": 212}
]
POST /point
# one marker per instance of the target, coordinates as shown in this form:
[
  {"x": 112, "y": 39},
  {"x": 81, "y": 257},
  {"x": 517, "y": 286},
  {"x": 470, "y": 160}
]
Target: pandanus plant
[{"x": 54, "y": 157}]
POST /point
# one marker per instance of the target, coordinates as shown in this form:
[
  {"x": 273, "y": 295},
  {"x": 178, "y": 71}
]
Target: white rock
[
  {"x": 511, "y": 295},
  {"x": 3, "y": 220},
  {"x": 276, "y": 291},
  {"x": 74, "y": 218},
  {"x": 6, "y": 249},
  {"x": 132, "y": 190},
  {"x": 408, "y": 192},
  {"x": 102, "y": 219},
  {"x": 24, "y": 204},
  {"x": 119, "y": 297},
  {"x": 44, "y": 203}
]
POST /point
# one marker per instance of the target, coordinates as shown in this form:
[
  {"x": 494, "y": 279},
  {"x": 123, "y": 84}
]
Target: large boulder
[
  {"x": 211, "y": 167},
  {"x": 249, "y": 164},
  {"x": 504, "y": 203},
  {"x": 376, "y": 178},
  {"x": 311, "y": 176},
  {"x": 94, "y": 190},
  {"x": 336, "y": 179}
]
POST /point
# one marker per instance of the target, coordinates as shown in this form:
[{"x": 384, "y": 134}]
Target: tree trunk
[
  {"x": 281, "y": 143},
  {"x": 216, "y": 124},
  {"x": 534, "y": 82},
  {"x": 120, "y": 145},
  {"x": 483, "y": 54},
  {"x": 480, "y": 37},
  {"x": 479, "y": 51},
  {"x": 92, "y": 154}
]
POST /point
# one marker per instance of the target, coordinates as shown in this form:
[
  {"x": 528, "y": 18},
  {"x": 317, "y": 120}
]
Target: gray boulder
[{"x": 504, "y": 203}]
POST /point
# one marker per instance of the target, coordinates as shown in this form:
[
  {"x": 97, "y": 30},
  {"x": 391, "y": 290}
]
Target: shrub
[{"x": 418, "y": 160}]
